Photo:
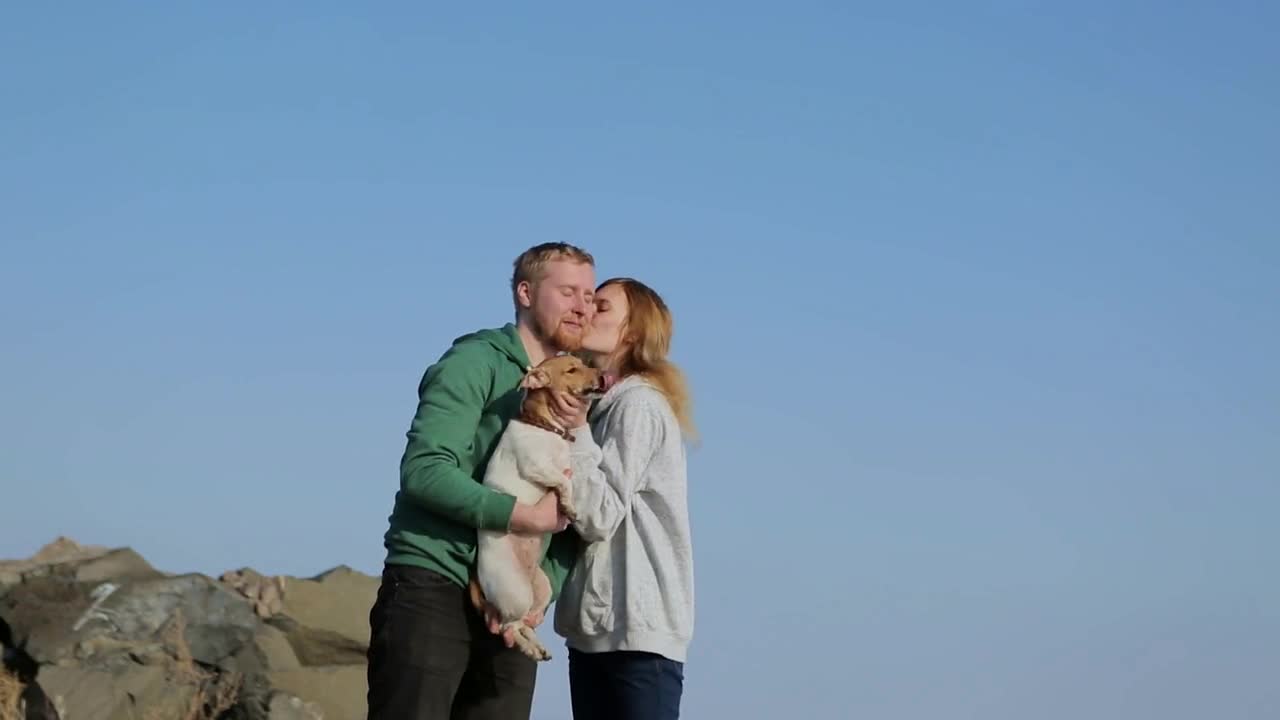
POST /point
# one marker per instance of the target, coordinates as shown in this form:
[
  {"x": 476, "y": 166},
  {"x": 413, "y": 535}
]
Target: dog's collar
[{"x": 546, "y": 426}]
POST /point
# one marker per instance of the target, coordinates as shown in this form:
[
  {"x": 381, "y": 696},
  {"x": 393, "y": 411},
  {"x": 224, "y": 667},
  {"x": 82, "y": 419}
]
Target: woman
[{"x": 626, "y": 608}]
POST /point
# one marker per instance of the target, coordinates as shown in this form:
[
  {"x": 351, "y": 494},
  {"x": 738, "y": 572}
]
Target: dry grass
[
  {"x": 11, "y": 704},
  {"x": 174, "y": 637},
  {"x": 215, "y": 697},
  {"x": 10, "y": 696},
  {"x": 208, "y": 702},
  {"x": 214, "y": 694}
]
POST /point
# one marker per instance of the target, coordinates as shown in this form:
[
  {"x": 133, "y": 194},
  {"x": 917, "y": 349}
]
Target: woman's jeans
[{"x": 624, "y": 685}]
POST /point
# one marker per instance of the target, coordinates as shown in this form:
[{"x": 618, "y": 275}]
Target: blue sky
[{"x": 978, "y": 303}]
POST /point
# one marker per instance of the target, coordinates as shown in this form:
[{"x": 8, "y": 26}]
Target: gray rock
[
  {"x": 273, "y": 647},
  {"x": 42, "y": 613},
  {"x": 113, "y": 639},
  {"x": 128, "y": 693},
  {"x": 284, "y": 706},
  {"x": 57, "y": 620}
]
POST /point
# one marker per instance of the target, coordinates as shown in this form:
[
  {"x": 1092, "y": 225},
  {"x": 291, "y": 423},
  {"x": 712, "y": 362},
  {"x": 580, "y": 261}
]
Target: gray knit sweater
[{"x": 632, "y": 585}]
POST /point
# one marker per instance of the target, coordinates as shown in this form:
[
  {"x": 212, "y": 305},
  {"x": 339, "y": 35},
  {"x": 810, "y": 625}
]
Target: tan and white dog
[{"x": 532, "y": 458}]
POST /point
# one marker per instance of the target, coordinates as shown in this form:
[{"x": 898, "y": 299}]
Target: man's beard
[{"x": 562, "y": 337}]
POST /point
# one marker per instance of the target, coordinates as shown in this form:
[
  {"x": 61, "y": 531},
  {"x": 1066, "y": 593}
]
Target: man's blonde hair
[{"x": 530, "y": 266}]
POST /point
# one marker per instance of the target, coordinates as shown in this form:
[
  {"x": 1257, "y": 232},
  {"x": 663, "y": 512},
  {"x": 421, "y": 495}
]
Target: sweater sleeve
[
  {"x": 560, "y": 558},
  {"x": 450, "y": 400},
  {"x": 603, "y": 493}
]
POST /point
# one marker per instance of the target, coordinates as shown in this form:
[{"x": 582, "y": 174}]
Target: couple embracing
[{"x": 620, "y": 574}]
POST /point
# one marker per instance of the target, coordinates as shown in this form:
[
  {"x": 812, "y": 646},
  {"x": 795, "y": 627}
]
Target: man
[{"x": 430, "y": 654}]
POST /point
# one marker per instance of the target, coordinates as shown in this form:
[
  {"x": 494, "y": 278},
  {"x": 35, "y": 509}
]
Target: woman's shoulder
[
  {"x": 636, "y": 394},
  {"x": 636, "y": 390}
]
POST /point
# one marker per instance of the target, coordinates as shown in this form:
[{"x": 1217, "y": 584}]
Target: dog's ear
[{"x": 535, "y": 379}]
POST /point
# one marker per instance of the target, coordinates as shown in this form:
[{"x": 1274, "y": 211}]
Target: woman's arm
[{"x": 603, "y": 490}]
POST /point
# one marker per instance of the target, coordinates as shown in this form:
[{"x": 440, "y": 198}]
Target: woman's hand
[{"x": 570, "y": 409}]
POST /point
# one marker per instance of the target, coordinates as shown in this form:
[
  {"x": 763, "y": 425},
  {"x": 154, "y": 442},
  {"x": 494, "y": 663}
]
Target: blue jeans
[{"x": 624, "y": 685}]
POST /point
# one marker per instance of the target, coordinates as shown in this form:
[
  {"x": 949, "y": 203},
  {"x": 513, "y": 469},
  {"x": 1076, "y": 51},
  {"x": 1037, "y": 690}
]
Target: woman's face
[{"x": 603, "y": 336}]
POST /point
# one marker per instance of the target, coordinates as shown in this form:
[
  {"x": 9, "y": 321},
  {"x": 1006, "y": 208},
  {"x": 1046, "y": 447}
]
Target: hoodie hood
[
  {"x": 612, "y": 396},
  {"x": 506, "y": 340}
]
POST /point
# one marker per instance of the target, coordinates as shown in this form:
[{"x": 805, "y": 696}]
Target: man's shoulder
[
  {"x": 481, "y": 358},
  {"x": 485, "y": 345}
]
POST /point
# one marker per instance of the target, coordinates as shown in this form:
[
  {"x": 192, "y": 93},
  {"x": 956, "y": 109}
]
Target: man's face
[{"x": 561, "y": 303}]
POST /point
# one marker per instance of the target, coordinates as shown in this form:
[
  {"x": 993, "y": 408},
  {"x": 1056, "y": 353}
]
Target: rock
[
  {"x": 42, "y": 614},
  {"x": 62, "y": 550},
  {"x": 339, "y": 692},
  {"x": 326, "y": 618},
  {"x": 284, "y": 706},
  {"x": 317, "y": 647},
  {"x": 266, "y": 594},
  {"x": 116, "y": 565},
  {"x": 336, "y": 600},
  {"x": 127, "y": 693},
  {"x": 63, "y": 620},
  {"x": 275, "y": 650},
  {"x": 112, "y": 638}
]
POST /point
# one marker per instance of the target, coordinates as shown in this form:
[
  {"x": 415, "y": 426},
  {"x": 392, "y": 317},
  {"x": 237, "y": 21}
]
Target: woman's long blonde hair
[{"x": 648, "y": 333}]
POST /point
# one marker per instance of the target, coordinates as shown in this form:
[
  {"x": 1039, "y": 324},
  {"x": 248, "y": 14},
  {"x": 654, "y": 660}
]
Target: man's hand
[
  {"x": 542, "y": 517},
  {"x": 491, "y": 618},
  {"x": 570, "y": 409}
]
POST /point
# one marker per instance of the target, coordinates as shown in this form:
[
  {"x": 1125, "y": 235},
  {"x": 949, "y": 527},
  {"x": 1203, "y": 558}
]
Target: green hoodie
[{"x": 464, "y": 403}]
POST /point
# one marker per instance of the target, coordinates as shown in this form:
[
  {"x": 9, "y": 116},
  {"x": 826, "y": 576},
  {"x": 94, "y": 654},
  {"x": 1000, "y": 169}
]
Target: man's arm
[{"x": 450, "y": 399}]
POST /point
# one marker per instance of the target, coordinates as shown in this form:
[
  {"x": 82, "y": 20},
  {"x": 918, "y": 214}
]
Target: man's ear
[
  {"x": 535, "y": 379},
  {"x": 524, "y": 294}
]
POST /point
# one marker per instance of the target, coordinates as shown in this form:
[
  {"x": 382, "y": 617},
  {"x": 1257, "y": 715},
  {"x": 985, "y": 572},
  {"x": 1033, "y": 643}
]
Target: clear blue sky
[{"x": 979, "y": 302}]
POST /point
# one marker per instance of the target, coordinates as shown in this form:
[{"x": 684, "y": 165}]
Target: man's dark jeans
[
  {"x": 624, "y": 685},
  {"x": 431, "y": 656}
]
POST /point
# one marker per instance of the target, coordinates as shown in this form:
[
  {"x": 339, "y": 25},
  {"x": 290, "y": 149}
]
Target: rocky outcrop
[{"x": 105, "y": 636}]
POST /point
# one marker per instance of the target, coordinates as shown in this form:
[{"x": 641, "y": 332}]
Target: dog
[{"x": 531, "y": 459}]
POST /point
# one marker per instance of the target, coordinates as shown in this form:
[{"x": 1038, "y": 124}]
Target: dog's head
[{"x": 566, "y": 373}]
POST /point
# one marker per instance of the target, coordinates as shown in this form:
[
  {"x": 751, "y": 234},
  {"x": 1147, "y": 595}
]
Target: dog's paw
[
  {"x": 565, "y": 504},
  {"x": 526, "y": 641},
  {"x": 536, "y": 649}
]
